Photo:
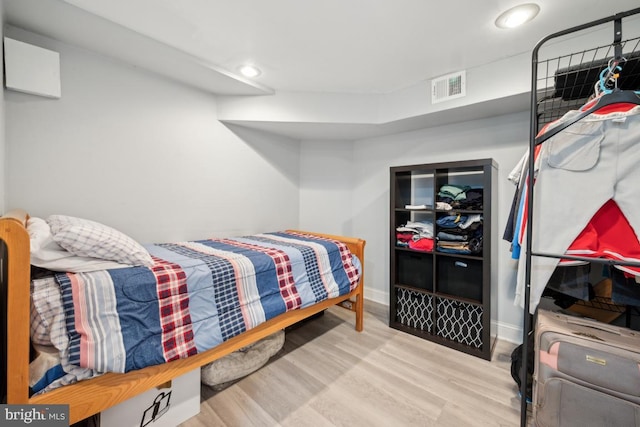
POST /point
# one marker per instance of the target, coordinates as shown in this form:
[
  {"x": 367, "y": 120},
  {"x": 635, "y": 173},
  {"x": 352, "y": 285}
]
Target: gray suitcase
[{"x": 587, "y": 373}]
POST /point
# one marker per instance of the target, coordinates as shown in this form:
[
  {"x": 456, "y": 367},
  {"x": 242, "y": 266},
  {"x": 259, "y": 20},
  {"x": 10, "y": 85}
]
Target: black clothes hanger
[{"x": 616, "y": 96}]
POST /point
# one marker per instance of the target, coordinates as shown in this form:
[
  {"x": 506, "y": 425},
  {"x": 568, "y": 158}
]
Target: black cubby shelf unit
[{"x": 441, "y": 287}]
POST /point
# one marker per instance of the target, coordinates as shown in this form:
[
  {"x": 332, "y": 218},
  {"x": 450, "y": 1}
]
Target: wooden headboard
[{"x": 15, "y": 271}]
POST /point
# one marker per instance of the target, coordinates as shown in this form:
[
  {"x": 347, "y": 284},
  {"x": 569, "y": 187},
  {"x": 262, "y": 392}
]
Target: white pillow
[
  {"x": 83, "y": 237},
  {"x": 46, "y": 253}
]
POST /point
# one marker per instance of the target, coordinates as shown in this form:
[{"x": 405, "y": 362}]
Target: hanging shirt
[{"x": 577, "y": 172}]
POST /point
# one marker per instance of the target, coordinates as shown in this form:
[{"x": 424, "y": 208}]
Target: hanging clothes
[{"x": 577, "y": 171}]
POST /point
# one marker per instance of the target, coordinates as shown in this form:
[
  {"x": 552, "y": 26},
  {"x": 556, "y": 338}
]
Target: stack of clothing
[
  {"x": 459, "y": 197},
  {"x": 417, "y": 235},
  {"x": 460, "y": 234}
]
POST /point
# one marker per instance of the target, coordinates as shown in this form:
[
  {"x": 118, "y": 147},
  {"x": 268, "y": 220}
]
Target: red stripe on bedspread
[
  {"x": 286, "y": 283},
  {"x": 173, "y": 304},
  {"x": 87, "y": 339},
  {"x": 352, "y": 272}
]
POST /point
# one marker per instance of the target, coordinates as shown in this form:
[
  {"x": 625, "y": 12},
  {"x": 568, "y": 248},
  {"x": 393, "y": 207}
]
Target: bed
[{"x": 88, "y": 397}]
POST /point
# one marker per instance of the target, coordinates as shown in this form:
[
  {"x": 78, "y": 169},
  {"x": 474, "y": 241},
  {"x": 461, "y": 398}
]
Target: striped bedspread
[{"x": 197, "y": 295}]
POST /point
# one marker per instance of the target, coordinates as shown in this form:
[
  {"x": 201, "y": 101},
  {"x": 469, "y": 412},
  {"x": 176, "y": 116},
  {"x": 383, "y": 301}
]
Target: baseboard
[
  {"x": 508, "y": 332},
  {"x": 376, "y": 296}
]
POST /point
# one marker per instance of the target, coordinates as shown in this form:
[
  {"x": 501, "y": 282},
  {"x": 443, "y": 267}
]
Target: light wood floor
[{"x": 328, "y": 374}]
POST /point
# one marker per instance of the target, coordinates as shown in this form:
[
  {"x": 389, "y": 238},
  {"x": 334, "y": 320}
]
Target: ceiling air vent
[{"x": 448, "y": 87}]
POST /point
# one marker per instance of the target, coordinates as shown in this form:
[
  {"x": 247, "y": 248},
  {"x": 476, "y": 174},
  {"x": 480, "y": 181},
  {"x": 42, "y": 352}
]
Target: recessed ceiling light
[
  {"x": 518, "y": 15},
  {"x": 249, "y": 71}
]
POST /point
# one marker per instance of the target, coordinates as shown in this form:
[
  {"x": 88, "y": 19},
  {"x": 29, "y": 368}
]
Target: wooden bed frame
[{"x": 89, "y": 397}]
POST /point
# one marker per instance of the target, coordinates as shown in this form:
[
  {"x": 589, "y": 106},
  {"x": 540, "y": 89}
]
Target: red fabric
[
  {"x": 618, "y": 107},
  {"x": 175, "y": 318},
  {"x": 423, "y": 244},
  {"x": 608, "y": 235},
  {"x": 405, "y": 236}
]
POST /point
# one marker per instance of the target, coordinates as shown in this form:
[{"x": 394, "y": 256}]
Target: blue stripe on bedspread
[
  {"x": 69, "y": 314},
  {"x": 135, "y": 290}
]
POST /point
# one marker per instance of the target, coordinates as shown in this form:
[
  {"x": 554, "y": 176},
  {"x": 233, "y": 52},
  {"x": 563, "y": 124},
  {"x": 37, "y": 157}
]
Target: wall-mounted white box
[{"x": 31, "y": 69}]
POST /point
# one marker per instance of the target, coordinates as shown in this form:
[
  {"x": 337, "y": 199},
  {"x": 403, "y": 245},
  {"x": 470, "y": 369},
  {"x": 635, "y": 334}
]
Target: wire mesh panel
[{"x": 567, "y": 82}]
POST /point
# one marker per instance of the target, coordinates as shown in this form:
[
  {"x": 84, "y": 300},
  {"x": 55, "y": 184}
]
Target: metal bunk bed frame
[{"x": 537, "y": 119}]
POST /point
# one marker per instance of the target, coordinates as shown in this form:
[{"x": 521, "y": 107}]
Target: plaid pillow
[{"x": 83, "y": 237}]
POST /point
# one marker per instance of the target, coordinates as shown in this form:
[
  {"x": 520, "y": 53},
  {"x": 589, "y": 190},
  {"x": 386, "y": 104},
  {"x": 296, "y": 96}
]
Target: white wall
[
  {"x": 503, "y": 138},
  {"x": 143, "y": 154},
  {"x": 326, "y": 182}
]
